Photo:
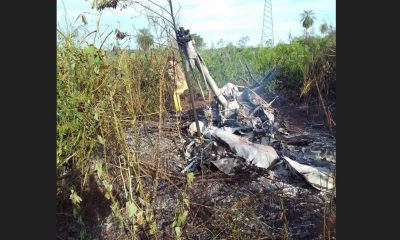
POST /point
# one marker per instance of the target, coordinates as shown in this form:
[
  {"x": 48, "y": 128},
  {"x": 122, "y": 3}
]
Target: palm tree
[
  {"x": 323, "y": 28},
  {"x": 307, "y": 19},
  {"x": 144, "y": 39}
]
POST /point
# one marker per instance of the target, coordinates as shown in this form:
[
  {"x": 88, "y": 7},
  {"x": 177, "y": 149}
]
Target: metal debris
[
  {"x": 193, "y": 130},
  {"x": 239, "y": 110},
  {"x": 260, "y": 155},
  {"x": 226, "y": 165},
  {"x": 320, "y": 178}
]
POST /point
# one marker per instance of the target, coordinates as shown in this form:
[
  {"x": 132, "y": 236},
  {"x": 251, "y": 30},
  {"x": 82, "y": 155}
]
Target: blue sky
[{"x": 212, "y": 19}]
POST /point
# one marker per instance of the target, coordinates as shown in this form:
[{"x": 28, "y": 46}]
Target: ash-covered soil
[{"x": 251, "y": 203}]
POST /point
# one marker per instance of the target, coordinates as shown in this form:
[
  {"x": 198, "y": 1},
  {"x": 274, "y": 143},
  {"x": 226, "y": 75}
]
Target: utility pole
[{"x": 267, "y": 36}]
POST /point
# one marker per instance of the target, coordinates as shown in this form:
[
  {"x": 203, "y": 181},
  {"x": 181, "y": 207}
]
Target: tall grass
[{"x": 99, "y": 96}]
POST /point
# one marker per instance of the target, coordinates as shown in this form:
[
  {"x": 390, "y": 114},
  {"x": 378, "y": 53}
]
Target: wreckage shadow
[{"x": 94, "y": 208}]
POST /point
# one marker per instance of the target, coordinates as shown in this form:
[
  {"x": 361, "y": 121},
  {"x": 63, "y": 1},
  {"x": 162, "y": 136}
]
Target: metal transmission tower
[{"x": 267, "y": 37}]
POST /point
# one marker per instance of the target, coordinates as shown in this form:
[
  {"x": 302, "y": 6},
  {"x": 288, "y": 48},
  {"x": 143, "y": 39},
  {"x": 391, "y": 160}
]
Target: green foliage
[
  {"x": 291, "y": 59},
  {"x": 76, "y": 209},
  {"x": 294, "y": 60},
  {"x": 190, "y": 179},
  {"x": 99, "y": 169},
  {"x": 199, "y": 41},
  {"x": 228, "y": 64},
  {"x": 324, "y": 28},
  {"x": 89, "y": 82},
  {"x": 102, "y": 4},
  {"x": 225, "y": 64},
  {"x": 99, "y": 95},
  {"x": 183, "y": 208},
  {"x": 131, "y": 209},
  {"x": 76, "y": 200},
  {"x": 243, "y": 41},
  {"x": 144, "y": 39},
  {"x": 307, "y": 18}
]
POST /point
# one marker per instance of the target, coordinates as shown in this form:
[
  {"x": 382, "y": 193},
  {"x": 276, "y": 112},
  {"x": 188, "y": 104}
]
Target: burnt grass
[{"x": 251, "y": 204}]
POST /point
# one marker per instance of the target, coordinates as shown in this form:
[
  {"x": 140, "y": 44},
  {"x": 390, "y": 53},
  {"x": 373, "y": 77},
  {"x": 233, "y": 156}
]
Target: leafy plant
[{"x": 183, "y": 208}]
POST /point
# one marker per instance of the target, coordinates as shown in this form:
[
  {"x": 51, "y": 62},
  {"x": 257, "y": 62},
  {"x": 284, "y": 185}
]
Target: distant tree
[
  {"x": 324, "y": 28},
  {"x": 307, "y": 19},
  {"x": 221, "y": 43},
  {"x": 230, "y": 45},
  {"x": 101, "y": 4},
  {"x": 212, "y": 45},
  {"x": 243, "y": 41},
  {"x": 144, "y": 39},
  {"x": 311, "y": 32},
  {"x": 198, "y": 40},
  {"x": 331, "y": 29},
  {"x": 290, "y": 37}
]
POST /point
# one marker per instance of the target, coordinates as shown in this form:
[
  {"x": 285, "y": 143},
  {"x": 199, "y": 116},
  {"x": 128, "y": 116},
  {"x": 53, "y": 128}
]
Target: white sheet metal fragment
[
  {"x": 193, "y": 129},
  {"x": 320, "y": 179},
  {"x": 230, "y": 90},
  {"x": 226, "y": 165},
  {"x": 260, "y": 155}
]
